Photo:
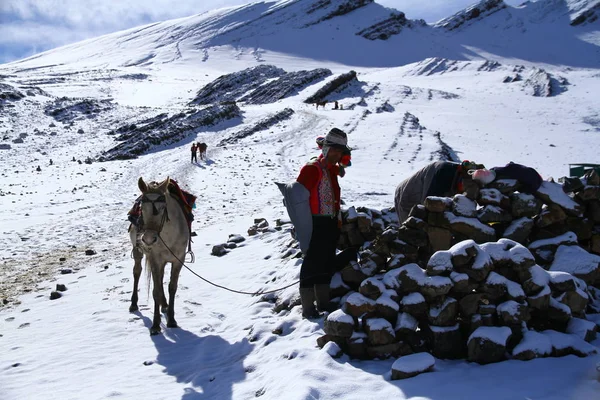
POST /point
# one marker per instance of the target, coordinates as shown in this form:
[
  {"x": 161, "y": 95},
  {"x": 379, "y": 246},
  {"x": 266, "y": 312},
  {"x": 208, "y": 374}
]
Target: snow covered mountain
[
  {"x": 538, "y": 32},
  {"x": 81, "y": 123}
]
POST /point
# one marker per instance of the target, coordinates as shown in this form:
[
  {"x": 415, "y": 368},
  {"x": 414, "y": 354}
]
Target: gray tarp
[{"x": 296, "y": 200}]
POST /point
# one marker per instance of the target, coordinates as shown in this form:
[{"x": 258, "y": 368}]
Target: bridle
[{"x": 160, "y": 199}]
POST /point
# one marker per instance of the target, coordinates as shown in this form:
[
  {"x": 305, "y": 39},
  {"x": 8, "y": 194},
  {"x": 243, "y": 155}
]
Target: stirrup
[{"x": 192, "y": 256}]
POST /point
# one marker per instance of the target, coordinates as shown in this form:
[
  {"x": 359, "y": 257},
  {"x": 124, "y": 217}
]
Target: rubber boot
[
  {"x": 323, "y": 302},
  {"x": 307, "y": 298}
]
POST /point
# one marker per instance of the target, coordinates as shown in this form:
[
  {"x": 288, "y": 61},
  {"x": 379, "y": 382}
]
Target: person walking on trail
[
  {"x": 440, "y": 178},
  {"x": 320, "y": 178},
  {"x": 194, "y": 153}
]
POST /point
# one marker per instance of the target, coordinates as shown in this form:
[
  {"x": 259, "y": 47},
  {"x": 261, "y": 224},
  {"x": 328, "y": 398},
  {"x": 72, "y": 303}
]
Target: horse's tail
[{"x": 148, "y": 277}]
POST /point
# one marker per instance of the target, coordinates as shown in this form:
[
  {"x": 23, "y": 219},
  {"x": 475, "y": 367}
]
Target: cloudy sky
[{"x": 28, "y": 27}]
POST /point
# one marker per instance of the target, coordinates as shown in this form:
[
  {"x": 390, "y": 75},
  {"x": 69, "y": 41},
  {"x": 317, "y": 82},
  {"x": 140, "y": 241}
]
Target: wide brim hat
[{"x": 336, "y": 138}]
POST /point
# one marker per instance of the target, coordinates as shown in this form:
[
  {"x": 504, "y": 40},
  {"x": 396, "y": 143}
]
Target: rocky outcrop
[
  {"x": 337, "y": 84},
  {"x": 66, "y": 109},
  {"x": 260, "y": 126},
  {"x": 389, "y": 27},
  {"x": 136, "y": 139},
  {"x": 475, "y": 12},
  {"x": 262, "y": 84}
]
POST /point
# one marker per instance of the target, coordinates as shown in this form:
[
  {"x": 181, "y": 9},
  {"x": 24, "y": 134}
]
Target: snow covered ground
[{"x": 87, "y": 345}]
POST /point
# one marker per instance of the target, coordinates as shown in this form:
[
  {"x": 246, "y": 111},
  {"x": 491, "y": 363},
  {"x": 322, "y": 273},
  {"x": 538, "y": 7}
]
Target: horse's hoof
[
  {"x": 154, "y": 331},
  {"x": 172, "y": 325},
  {"x": 133, "y": 308}
]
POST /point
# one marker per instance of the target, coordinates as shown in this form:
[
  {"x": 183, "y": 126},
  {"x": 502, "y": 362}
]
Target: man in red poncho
[{"x": 320, "y": 178}]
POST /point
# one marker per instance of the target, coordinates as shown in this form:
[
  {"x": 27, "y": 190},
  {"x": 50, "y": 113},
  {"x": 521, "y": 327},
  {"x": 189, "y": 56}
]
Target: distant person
[
  {"x": 194, "y": 153},
  {"x": 320, "y": 178},
  {"x": 335, "y": 105},
  {"x": 51, "y": 162},
  {"x": 440, "y": 178}
]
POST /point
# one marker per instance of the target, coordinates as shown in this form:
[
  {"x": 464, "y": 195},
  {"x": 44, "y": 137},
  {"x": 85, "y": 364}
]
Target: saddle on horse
[{"x": 186, "y": 200}]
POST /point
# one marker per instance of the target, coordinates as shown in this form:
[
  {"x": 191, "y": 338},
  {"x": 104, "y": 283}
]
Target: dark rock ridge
[
  {"x": 162, "y": 130},
  {"x": 9, "y": 93},
  {"x": 476, "y": 11},
  {"x": 232, "y": 86},
  {"x": 287, "y": 85},
  {"x": 389, "y": 27},
  {"x": 343, "y": 8},
  {"x": 249, "y": 85},
  {"x": 587, "y": 16},
  {"x": 336, "y": 85},
  {"x": 65, "y": 109},
  {"x": 261, "y": 126}
]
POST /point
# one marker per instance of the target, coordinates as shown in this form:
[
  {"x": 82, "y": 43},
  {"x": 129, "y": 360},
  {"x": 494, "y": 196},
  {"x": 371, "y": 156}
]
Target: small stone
[
  {"x": 148, "y": 363},
  {"x": 90, "y": 252},
  {"x": 55, "y": 295},
  {"x": 66, "y": 271},
  {"x": 62, "y": 259},
  {"x": 61, "y": 287}
]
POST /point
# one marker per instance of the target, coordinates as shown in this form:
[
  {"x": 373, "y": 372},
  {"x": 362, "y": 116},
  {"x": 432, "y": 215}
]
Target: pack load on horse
[{"x": 160, "y": 230}]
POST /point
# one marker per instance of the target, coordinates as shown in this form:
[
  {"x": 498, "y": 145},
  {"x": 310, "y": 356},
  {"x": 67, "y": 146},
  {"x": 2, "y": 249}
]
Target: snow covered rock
[
  {"x": 583, "y": 328},
  {"x": 386, "y": 307},
  {"x": 525, "y": 205},
  {"x": 519, "y": 230},
  {"x": 462, "y": 206},
  {"x": 338, "y": 323},
  {"x": 440, "y": 263},
  {"x": 513, "y": 313},
  {"x": 488, "y": 344},
  {"x": 412, "y": 365},
  {"x": 577, "y": 262},
  {"x": 371, "y": 288},
  {"x": 379, "y": 331},
  {"x": 447, "y": 342},
  {"x": 552, "y": 193},
  {"x": 437, "y": 204},
  {"x": 533, "y": 345},
  {"x": 357, "y": 305},
  {"x": 445, "y": 313},
  {"x": 564, "y": 344},
  {"x": 414, "y": 304}
]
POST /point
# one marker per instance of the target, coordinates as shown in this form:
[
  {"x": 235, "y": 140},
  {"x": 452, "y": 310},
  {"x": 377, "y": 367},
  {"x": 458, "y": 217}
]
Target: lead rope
[{"x": 228, "y": 289}]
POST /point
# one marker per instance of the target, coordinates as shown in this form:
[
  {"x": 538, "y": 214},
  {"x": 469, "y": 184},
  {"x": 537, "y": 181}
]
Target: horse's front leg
[
  {"x": 158, "y": 295},
  {"x": 175, "y": 270},
  {"x": 137, "y": 271}
]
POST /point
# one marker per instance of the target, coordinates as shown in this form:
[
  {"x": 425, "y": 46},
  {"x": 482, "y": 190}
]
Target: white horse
[{"x": 163, "y": 237}]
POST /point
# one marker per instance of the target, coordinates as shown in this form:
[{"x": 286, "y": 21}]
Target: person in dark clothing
[
  {"x": 440, "y": 178},
  {"x": 320, "y": 178},
  {"x": 194, "y": 152}
]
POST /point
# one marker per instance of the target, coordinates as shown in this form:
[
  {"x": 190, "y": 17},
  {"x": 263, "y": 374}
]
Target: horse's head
[{"x": 155, "y": 196}]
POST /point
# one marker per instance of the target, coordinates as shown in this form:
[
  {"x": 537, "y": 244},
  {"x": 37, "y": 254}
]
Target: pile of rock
[{"x": 486, "y": 275}]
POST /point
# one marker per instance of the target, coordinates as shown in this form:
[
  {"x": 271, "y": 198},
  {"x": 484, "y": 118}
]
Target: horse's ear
[
  {"x": 142, "y": 185},
  {"x": 164, "y": 186}
]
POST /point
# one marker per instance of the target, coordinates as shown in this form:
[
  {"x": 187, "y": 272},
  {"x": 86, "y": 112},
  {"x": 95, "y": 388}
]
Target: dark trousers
[
  {"x": 194, "y": 157},
  {"x": 319, "y": 263}
]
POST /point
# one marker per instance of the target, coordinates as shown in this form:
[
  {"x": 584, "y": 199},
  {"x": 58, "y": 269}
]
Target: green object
[{"x": 578, "y": 170}]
